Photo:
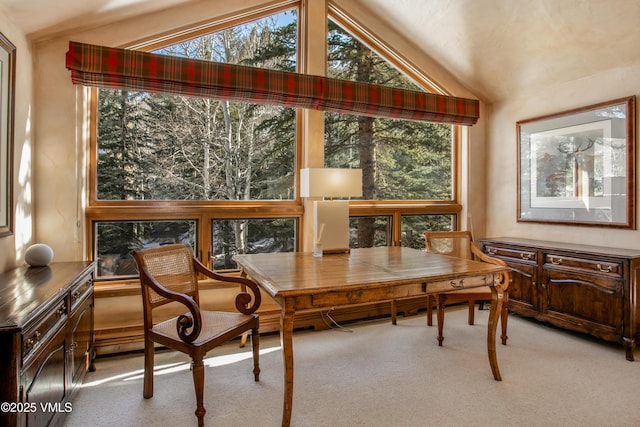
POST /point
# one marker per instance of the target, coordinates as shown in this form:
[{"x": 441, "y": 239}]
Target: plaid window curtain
[{"x": 116, "y": 68}]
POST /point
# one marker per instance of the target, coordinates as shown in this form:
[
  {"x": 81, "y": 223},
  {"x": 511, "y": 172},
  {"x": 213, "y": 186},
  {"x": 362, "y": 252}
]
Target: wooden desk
[{"x": 299, "y": 281}]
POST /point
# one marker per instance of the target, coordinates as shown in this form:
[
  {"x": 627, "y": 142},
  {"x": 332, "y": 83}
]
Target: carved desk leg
[
  {"x": 286, "y": 339},
  {"x": 497, "y": 299}
]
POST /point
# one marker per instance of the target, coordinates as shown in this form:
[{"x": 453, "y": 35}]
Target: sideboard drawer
[
  {"x": 43, "y": 326},
  {"x": 515, "y": 254},
  {"x": 591, "y": 265}
]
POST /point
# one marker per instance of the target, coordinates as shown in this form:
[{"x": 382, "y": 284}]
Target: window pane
[
  {"x": 115, "y": 240},
  {"x": 369, "y": 231},
  {"x": 400, "y": 159},
  {"x": 413, "y": 227},
  {"x": 251, "y": 236},
  {"x": 170, "y": 147}
]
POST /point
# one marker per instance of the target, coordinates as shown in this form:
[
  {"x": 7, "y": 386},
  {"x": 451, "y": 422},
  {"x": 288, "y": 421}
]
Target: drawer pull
[
  {"x": 608, "y": 269},
  {"x": 33, "y": 341},
  {"x": 61, "y": 311},
  {"x": 527, "y": 257},
  {"x": 556, "y": 261},
  {"x": 75, "y": 295},
  {"x": 491, "y": 251},
  {"x": 72, "y": 347},
  {"x": 457, "y": 285}
]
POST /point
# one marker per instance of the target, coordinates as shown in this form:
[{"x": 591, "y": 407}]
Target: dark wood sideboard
[
  {"x": 588, "y": 289},
  {"x": 46, "y": 340}
]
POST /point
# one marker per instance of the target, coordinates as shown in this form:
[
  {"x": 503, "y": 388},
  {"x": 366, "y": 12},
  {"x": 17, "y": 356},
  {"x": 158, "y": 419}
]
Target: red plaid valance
[{"x": 115, "y": 68}]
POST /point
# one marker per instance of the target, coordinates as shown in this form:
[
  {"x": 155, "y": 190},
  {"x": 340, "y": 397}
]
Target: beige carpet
[{"x": 377, "y": 374}]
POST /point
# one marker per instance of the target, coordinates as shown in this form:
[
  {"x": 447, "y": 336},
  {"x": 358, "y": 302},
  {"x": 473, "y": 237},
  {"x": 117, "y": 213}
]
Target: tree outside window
[{"x": 400, "y": 159}]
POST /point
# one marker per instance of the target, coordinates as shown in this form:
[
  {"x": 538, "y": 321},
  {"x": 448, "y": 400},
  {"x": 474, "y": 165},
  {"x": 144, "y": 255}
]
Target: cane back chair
[
  {"x": 460, "y": 244},
  {"x": 170, "y": 274}
]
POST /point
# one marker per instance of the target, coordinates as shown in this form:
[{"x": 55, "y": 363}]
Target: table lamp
[{"x": 331, "y": 217}]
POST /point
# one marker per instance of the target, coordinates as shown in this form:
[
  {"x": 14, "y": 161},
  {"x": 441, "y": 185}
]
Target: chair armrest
[
  {"x": 245, "y": 302},
  {"x": 184, "y": 322},
  {"x": 481, "y": 256}
]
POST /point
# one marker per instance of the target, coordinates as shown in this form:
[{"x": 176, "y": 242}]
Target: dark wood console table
[
  {"x": 588, "y": 289},
  {"x": 46, "y": 340}
]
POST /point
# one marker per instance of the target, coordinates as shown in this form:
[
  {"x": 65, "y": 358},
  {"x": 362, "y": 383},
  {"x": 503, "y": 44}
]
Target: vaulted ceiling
[{"x": 494, "y": 47}]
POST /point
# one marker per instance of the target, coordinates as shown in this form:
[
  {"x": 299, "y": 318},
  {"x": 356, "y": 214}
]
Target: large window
[
  {"x": 400, "y": 159},
  {"x": 221, "y": 176},
  {"x": 158, "y": 152},
  {"x": 171, "y": 147},
  {"x": 164, "y": 147}
]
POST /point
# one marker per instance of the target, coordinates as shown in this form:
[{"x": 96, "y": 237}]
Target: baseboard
[{"x": 131, "y": 338}]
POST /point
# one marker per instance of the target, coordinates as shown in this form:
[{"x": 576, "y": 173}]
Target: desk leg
[
  {"x": 497, "y": 299},
  {"x": 286, "y": 340}
]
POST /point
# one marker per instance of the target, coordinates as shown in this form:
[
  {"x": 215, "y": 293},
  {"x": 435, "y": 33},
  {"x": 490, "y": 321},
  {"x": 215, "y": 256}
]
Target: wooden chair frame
[
  {"x": 198, "y": 331},
  {"x": 466, "y": 295}
]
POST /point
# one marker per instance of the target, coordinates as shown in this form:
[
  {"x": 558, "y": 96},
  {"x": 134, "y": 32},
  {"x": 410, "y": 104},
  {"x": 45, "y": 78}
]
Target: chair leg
[
  {"x": 243, "y": 338},
  {"x": 255, "y": 344},
  {"x": 472, "y": 312},
  {"x": 147, "y": 391},
  {"x": 198, "y": 382},
  {"x": 504, "y": 317},
  {"x": 440, "y": 314}
]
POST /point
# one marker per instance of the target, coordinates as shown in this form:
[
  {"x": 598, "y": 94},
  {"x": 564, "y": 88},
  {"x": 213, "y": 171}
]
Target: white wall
[
  {"x": 502, "y": 156},
  {"x": 12, "y": 247}
]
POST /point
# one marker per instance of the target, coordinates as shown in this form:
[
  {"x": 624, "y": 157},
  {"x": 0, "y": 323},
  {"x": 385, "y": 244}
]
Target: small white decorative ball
[{"x": 38, "y": 255}]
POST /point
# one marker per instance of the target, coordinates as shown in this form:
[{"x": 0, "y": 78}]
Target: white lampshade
[{"x": 330, "y": 182}]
